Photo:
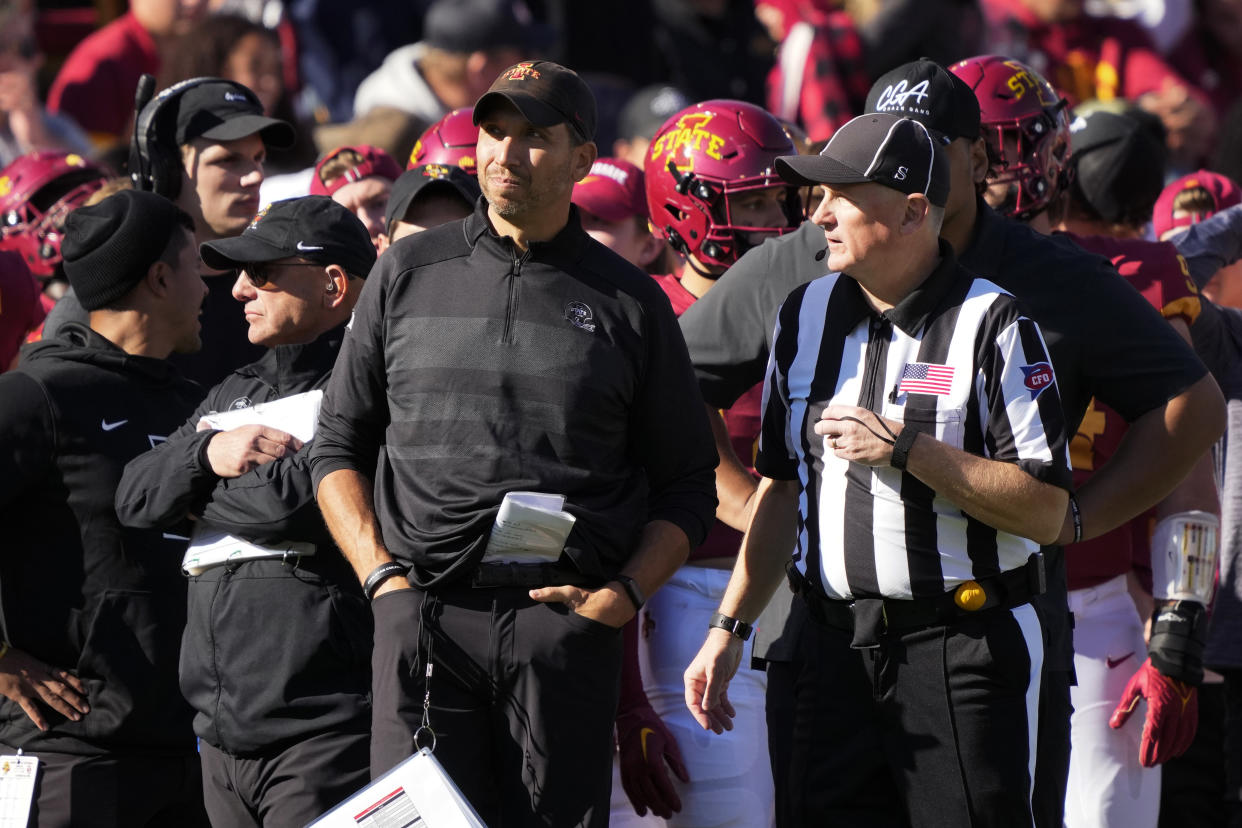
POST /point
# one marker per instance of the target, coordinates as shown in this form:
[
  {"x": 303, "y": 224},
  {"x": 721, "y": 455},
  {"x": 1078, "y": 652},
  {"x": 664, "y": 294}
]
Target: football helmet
[
  {"x": 699, "y": 157},
  {"x": 1025, "y": 123},
  {"x": 450, "y": 140},
  {"x": 37, "y": 191}
]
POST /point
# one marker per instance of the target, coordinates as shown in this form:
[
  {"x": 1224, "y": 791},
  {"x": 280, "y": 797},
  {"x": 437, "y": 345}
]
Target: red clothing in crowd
[
  {"x": 1158, "y": 272},
  {"x": 96, "y": 85},
  {"x": 742, "y": 421},
  {"x": 20, "y": 308},
  {"x": 1089, "y": 57},
  {"x": 819, "y": 80}
]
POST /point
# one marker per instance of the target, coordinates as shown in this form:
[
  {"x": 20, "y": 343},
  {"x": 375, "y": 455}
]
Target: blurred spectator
[
  {"x": 1189, "y": 200},
  {"x": 713, "y": 48},
  {"x": 96, "y": 84},
  {"x": 359, "y": 179},
  {"x": 25, "y": 126},
  {"x": 819, "y": 80},
  {"x": 20, "y": 309},
  {"x": 450, "y": 140},
  {"x": 232, "y": 47},
  {"x": 642, "y": 116},
  {"x": 1105, "y": 58},
  {"x": 465, "y": 45},
  {"x": 612, "y": 206},
  {"x": 1210, "y": 53},
  {"x": 340, "y": 42},
  {"x": 900, "y": 31},
  {"x": 1165, "y": 22},
  {"x": 427, "y": 196}
]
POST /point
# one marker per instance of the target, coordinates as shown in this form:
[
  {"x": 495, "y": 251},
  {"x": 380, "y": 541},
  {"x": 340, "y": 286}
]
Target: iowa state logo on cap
[
  {"x": 523, "y": 71},
  {"x": 254, "y": 222},
  {"x": 1038, "y": 378},
  {"x": 435, "y": 171}
]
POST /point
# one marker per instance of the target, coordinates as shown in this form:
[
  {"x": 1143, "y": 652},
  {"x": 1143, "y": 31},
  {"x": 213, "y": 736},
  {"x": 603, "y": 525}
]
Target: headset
[{"x": 154, "y": 157}]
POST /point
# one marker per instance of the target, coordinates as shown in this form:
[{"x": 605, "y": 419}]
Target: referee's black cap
[{"x": 881, "y": 148}]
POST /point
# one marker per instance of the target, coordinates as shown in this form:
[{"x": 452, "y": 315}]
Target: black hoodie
[{"x": 80, "y": 591}]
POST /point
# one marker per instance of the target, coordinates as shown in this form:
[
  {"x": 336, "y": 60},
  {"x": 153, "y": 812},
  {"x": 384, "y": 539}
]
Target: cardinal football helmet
[
  {"x": 1025, "y": 123},
  {"x": 37, "y": 191},
  {"x": 699, "y": 157},
  {"x": 450, "y": 140}
]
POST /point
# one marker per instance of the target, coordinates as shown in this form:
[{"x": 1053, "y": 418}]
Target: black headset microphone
[{"x": 819, "y": 257}]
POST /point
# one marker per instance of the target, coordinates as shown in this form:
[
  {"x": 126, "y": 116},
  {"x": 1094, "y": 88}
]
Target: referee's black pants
[
  {"x": 523, "y": 699},
  {"x": 931, "y": 728}
]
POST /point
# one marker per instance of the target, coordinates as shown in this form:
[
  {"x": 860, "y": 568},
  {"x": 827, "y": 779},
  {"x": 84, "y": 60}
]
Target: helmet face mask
[
  {"x": 1025, "y": 125},
  {"x": 703, "y": 158},
  {"x": 37, "y": 192}
]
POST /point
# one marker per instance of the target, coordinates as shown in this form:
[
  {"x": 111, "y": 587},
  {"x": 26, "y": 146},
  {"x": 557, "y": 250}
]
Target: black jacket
[
  {"x": 272, "y": 653},
  {"x": 79, "y": 590},
  {"x": 473, "y": 369}
]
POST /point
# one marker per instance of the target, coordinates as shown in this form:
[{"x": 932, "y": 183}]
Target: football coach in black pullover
[{"x": 511, "y": 352}]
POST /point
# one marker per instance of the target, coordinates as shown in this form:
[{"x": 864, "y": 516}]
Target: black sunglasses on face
[{"x": 260, "y": 273}]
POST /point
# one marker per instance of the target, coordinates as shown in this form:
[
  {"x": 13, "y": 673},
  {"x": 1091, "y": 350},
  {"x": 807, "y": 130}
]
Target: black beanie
[{"x": 108, "y": 247}]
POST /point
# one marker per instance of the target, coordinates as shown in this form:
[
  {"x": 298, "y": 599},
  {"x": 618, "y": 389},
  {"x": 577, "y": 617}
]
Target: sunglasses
[{"x": 260, "y": 273}]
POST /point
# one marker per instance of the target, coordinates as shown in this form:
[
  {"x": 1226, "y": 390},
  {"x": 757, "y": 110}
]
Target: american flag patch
[{"x": 925, "y": 378}]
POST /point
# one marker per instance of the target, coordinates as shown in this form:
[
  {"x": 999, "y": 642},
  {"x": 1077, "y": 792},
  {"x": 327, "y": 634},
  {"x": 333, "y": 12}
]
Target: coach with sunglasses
[{"x": 276, "y": 651}]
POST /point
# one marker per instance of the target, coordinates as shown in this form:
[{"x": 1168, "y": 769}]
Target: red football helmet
[
  {"x": 703, "y": 154},
  {"x": 1025, "y": 123},
  {"x": 450, "y": 140},
  {"x": 37, "y": 191}
]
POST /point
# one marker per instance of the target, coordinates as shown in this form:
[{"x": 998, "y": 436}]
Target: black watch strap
[
  {"x": 901, "y": 448},
  {"x": 740, "y": 629},
  {"x": 380, "y": 574},
  {"x": 631, "y": 589}
]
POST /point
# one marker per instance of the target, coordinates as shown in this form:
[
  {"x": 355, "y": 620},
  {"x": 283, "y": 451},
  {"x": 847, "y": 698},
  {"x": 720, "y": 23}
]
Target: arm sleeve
[
  {"x": 354, "y": 413},
  {"x": 1212, "y": 244},
  {"x": 1025, "y": 424},
  {"x": 776, "y": 457},
  {"x": 726, "y": 330},
  {"x": 671, "y": 433},
  {"x": 160, "y": 487},
  {"x": 27, "y": 434}
]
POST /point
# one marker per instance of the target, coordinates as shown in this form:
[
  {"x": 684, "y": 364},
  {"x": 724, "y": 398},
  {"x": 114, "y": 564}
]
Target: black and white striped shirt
[{"x": 957, "y": 359}]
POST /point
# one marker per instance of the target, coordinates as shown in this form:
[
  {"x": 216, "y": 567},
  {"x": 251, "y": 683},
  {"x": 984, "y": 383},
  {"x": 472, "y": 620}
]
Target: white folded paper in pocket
[
  {"x": 531, "y": 527},
  {"x": 297, "y": 414},
  {"x": 210, "y": 548}
]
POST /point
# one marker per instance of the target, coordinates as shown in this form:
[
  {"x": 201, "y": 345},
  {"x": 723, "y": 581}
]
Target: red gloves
[
  {"x": 648, "y": 749},
  {"x": 1172, "y": 714}
]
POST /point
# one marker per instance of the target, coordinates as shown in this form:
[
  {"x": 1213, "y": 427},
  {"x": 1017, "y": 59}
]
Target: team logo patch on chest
[
  {"x": 580, "y": 316},
  {"x": 1037, "y": 378},
  {"x": 926, "y": 378},
  {"x": 240, "y": 403}
]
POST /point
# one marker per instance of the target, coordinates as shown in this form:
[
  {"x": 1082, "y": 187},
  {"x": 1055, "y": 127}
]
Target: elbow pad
[{"x": 1184, "y": 554}]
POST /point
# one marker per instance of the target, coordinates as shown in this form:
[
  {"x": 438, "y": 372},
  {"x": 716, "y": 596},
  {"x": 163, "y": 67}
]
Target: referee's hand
[{"x": 707, "y": 681}]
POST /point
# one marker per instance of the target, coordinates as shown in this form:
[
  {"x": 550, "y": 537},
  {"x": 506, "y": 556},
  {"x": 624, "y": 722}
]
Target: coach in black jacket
[
  {"x": 92, "y": 610},
  {"x": 511, "y": 352},
  {"x": 276, "y": 652}
]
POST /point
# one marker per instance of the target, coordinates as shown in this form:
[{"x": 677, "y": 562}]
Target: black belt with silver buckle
[
  {"x": 488, "y": 575},
  {"x": 868, "y": 618}
]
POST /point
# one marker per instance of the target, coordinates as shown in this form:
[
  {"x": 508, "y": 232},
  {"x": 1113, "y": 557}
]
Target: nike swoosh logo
[
  {"x": 1114, "y": 662},
  {"x": 642, "y": 740},
  {"x": 107, "y": 426},
  {"x": 309, "y": 248}
]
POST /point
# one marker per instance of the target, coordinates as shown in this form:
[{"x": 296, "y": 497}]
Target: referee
[{"x": 912, "y": 442}]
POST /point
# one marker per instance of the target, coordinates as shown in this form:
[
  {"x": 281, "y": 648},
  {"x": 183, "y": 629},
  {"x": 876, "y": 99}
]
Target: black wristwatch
[
  {"x": 631, "y": 589},
  {"x": 740, "y": 629}
]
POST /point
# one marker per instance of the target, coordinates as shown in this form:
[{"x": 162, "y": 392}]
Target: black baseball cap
[
  {"x": 1118, "y": 166},
  {"x": 427, "y": 178},
  {"x": 222, "y": 110},
  {"x": 930, "y": 94},
  {"x": 882, "y": 148},
  {"x": 647, "y": 110},
  {"x": 484, "y": 25},
  {"x": 314, "y": 228},
  {"x": 546, "y": 94}
]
